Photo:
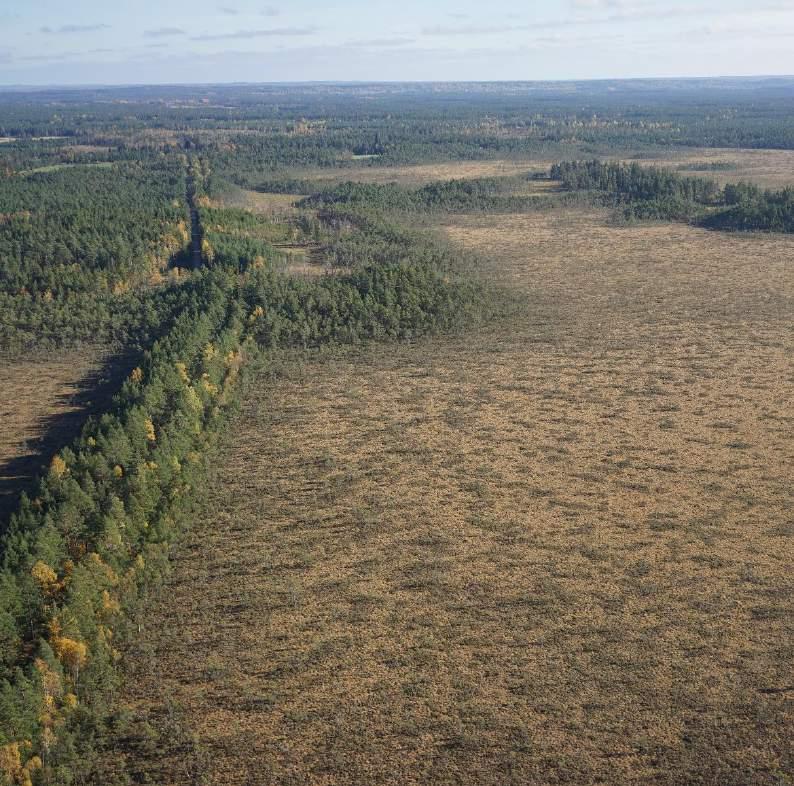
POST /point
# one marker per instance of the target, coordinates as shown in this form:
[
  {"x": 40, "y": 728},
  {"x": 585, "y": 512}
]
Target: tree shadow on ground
[{"x": 88, "y": 396}]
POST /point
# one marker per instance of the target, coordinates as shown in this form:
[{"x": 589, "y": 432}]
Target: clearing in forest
[
  {"x": 767, "y": 168},
  {"x": 554, "y": 550},
  {"x": 271, "y": 205},
  {"x": 421, "y": 174}
]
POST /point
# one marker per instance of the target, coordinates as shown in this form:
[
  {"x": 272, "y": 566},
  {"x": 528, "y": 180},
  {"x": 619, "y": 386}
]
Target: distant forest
[{"x": 250, "y": 132}]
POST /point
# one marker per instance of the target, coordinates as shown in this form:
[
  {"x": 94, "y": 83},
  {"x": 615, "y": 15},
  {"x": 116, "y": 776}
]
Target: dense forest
[
  {"x": 82, "y": 247},
  {"x": 752, "y": 208},
  {"x": 90, "y": 228}
]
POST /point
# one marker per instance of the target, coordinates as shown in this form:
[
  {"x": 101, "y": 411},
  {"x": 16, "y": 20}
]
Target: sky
[{"x": 49, "y": 42}]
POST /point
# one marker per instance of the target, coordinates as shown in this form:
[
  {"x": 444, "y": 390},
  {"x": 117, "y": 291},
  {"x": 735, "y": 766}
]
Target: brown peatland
[
  {"x": 556, "y": 550},
  {"x": 767, "y": 168}
]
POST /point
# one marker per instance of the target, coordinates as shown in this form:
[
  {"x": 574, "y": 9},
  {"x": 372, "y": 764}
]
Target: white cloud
[
  {"x": 381, "y": 43},
  {"x": 73, "y": 29},
  {"x": 443, "y": 30},
  {"x": 161, "y": 32},
  {"x": 273, "y": 32}
]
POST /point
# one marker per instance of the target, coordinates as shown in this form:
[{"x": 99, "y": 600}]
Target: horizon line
[{"x": 363, "y": 82}]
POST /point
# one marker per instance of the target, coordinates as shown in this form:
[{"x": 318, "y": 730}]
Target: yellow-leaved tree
[
  {"x": 46, "y": 577},
  {"x": 58, "y": 467}
]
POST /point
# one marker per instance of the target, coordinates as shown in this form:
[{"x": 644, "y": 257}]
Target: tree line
[{"x": 493, "y": 194}]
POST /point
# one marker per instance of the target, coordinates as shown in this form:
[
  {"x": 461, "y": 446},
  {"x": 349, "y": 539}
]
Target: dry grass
[
  {"x": 85, "y": 148},
  {"x": 273, "y": 205},
  {"x": 420, "y": 174},
  {"x": 56, "y": 167},
  {"x": 307, "y": 261},
  {"x": 43, "y": 403},
  {"x": 556, "y": 551},
  {"x": 768, "y": 168},
  {"x": 299, "y": 258},
  {"x": 307, "y": 269}
]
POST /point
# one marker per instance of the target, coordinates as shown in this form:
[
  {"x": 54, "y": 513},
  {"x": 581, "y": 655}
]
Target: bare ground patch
[{"x": 553, "y": 551}]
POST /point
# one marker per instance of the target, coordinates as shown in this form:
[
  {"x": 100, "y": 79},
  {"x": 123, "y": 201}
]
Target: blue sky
[{"x": 96, "y": 42}]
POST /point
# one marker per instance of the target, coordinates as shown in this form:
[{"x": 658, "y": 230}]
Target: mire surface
[
  {"x": 555, "y": 551},
  {"x": 767, "y": 168}
]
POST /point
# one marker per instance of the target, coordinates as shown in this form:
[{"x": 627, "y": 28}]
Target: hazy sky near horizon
[{"x": 94, "y": 42}]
